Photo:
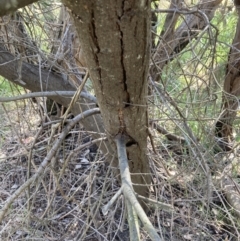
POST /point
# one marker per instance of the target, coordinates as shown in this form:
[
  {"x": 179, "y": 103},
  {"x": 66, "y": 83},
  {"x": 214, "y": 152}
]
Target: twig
[
  {"x": 46, "y": 160},
  {"x": 73, "y": 101},
  {"x": 190, "y": 138},
  {"x": 57, "y": 178},
  {"x": 76, "y": 96},
  {"x": 81, "y": 235},
  {"x": 169, "y": 136},
  {"x": 13, "y": 126},
  {"x": 30, "y": 161},
  {"x": 106, "y": 207},
  {"x": 157, "y": 204}
]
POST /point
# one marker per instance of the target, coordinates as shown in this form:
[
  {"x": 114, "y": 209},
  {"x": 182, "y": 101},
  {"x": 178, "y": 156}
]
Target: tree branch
[
  {"x": 51, "y": 81},
  {"x": 173, "y": 43},
  {"x": 30, "y": 75},
  {"x": 231, "y": 190},
  {"x": 48, "y": 94},
  {"x": 10, "y": 6},
  {"x": 168, "y": 135},
  {"x": 127, "y": 188},
  {"x": 47, "y": 159}
]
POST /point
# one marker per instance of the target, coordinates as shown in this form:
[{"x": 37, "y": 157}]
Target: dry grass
[{"x": 65, "y": 203}]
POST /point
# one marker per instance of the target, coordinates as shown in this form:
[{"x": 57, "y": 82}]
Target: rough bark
[
  {"x": 10, "y": 6},
  {"x": 230, "y": 102},
  {"x": 115, "y": 39}
]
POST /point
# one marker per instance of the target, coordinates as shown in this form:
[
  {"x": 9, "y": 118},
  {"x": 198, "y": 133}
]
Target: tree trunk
[
  {"x": 115, "y": 37},
  {"x": 115, "y": 40},
  {"x": 230, "y": 102}
]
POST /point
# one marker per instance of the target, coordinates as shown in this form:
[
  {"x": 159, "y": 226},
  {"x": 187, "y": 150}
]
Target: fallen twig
[
  {"x": 169, "y": 136},
  {"x": 46, "y": 160},
  {"x": 232, "y": 191}
]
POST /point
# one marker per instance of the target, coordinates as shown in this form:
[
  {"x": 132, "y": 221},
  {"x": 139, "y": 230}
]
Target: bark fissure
[
  {"x": 122, "y": 127},
  {"x": 124, "y": 80},
  {"x": 97, "y": 51}
]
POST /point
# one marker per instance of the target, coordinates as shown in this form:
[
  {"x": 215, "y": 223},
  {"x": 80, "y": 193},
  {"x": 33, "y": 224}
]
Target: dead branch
[
  {"x": 156, "y": 204},
  {"x": 128, "y": 191},
  {"x": 232, "y": 191},
  {"x": 48, "y": 94},
  {"x": 106, "y": 207},
  {"x": 168, "y": 135},
  {"x": 47, "y": 159},
  {"x": 173, "y": 43},
  {"x": 7, "y": 6}
]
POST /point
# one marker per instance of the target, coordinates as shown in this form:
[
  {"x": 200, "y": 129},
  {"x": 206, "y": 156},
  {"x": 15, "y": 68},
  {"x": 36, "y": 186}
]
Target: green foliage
[
  {"x": 37, "y": 19},
  {"x": 194, "y": 79},
  {"x": 4, "y": 87},
  {"x": 226, "y": 25},
  {"x": 9, "y": 89}
]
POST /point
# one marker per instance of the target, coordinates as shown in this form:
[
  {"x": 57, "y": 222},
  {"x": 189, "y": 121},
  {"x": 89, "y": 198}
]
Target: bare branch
[
  {"x": 174, "y": 43},
  {"x": 106, "y": 207},
  {"x": 51, "y": 82},
  {"x": 10, "y": 6},
  {"x": 30, "y": 74},
  {"x": 157, "y": 204},
  {"x": 47, "y": 159},
  {"x": 127, "y": 188},
  {"x": 168, "y": 135},
  {"x": 231, "y": 190},
  {"x": 171, "y": 18},
  {"x": 48, "y": 94}
]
